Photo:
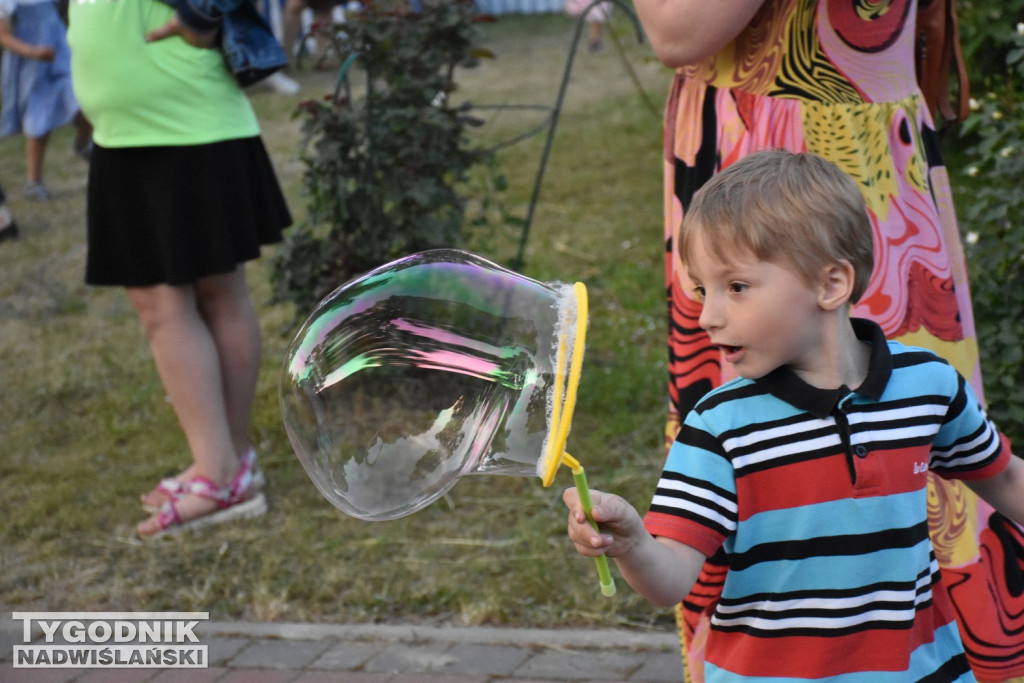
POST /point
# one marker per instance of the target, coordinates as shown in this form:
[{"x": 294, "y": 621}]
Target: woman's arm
[
  {"x": 174, "y": 27},
  {"x": 686, "y": 31},
  {"x": 196, "y": 21}
]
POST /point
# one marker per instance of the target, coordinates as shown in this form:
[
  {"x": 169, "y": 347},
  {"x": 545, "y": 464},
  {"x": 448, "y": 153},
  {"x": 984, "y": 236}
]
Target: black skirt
[{"x": 172, "y": 215}]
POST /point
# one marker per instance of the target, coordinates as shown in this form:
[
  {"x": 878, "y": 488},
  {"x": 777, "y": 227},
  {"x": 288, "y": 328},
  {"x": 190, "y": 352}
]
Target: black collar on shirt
[{"x": 783, "y": 383}]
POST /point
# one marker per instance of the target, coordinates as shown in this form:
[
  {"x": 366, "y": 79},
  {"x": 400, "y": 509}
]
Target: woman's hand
[{"x": 176, "y": 28}]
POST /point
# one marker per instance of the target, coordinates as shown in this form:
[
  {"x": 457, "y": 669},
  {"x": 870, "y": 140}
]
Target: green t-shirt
[{"x": 139, "y": 94}]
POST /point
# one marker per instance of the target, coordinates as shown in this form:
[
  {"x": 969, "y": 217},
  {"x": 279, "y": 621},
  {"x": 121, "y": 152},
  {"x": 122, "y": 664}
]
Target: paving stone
[
  {"x": 342, "y": 677},
  {"x": 214, "y": 673},
  {"x": 659, "y": 668},
  {"x": 258, "y": 676},
  {"x": 401, "y": 658},
  {"x": 346, "y": 656},
  {"x": 280, "y": 654},
  {"x": 423, "y": 678},
  {"x": 494, "y": 660},
  {"x": 8, "y": 674},
  {"x": 8, "y": 639},
  {"x": 581, "y": 665},
  {"x": 221, "y": 650},
  {"x": 109, "y": 675}
]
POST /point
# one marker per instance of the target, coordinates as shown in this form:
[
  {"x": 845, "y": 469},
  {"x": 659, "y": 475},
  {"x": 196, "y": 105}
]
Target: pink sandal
[
  {"x": 241, "y": 499},
  {"x": 171, "y": 489}
]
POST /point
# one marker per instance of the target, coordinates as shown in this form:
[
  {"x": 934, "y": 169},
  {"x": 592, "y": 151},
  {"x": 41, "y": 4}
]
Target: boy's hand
[
  {"x": 662, "y": 570},
  {"x": 176, "y": 28},
  {"x": 620, "y": 524},
  {"x": 43, "y": 53}
]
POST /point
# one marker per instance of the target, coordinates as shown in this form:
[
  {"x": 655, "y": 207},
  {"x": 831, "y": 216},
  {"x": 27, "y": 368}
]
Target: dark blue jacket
[{"x": 249, "y": 46}]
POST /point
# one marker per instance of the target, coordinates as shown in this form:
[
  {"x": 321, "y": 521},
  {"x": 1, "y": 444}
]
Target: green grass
[{"x": 85, "y": 427}]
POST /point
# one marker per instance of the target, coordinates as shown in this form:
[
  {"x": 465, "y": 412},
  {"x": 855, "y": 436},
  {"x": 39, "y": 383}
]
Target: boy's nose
[{"x": 709, "y": 317}]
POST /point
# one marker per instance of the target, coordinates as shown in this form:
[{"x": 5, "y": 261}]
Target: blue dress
[{"x": 37, "y": 96}]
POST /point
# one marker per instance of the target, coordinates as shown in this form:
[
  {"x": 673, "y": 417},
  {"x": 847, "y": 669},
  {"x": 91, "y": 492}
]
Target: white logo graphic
[
  {"x": 920, "y": 467},
  {"x": 110, "y": 640}
]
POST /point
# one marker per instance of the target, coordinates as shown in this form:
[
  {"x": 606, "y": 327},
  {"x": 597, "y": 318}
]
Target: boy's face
[{"x": 760, "y": 314}]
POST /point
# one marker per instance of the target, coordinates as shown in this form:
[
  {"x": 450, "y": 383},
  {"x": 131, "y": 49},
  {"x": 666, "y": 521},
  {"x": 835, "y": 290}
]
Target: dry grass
[{"x": 84, "y": 425}]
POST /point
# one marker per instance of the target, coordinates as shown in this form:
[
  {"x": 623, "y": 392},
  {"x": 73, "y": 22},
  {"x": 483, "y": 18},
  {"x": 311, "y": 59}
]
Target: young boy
[{"x": 810, "y": 468}]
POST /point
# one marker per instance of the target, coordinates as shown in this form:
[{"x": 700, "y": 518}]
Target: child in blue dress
[{"x": 36, "y": 84}]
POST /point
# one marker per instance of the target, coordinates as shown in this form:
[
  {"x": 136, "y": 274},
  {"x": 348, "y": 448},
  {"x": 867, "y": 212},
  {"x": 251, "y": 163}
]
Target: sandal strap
[
  {"x": 239, "y": 490},
  {"x": 168, "y": 515},
  {"x": 170, "y": 487},
  {"x": 205, "y": 488},
  {"x": 241, "y": 486}
]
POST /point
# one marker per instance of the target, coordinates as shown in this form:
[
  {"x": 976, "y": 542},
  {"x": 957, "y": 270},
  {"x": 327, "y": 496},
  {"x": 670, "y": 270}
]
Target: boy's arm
[
  {"x": 1005, "y": 491},
  {"x": 660, "y": 569},
  {"x": 13, "y": 44}
]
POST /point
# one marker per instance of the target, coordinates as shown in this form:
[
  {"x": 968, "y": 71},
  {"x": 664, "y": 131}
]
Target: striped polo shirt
[{"x": 819, "y": 500}]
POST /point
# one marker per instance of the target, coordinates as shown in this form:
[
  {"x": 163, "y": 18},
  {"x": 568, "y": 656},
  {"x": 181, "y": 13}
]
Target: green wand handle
[{"x": 603, "y": 573}]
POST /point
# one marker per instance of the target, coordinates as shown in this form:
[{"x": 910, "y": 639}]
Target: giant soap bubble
[{"x": 435, "y": 366}]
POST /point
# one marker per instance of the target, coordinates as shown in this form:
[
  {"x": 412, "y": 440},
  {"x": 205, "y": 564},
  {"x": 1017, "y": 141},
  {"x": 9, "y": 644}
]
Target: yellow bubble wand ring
[{"x": 561, "y": 419}]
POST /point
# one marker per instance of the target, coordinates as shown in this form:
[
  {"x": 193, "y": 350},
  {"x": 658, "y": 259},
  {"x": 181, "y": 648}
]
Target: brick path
[{"x": 351, "y": 653}]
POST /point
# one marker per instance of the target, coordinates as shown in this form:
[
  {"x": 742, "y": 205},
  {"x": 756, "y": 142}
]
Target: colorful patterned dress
[{"x": 836, "y": 77}]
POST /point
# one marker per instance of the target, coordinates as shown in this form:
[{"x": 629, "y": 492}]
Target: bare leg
[
  {"x": 292, "y": 27},
  {"x": 83, "y": 130},
  {"x": 35, "y": 151},
  {"x": 226, "y": 307},
  {"x": 324, "y": 20},
  {"x": 596, "y": 30},
  {"x": 188, "y": 361}
]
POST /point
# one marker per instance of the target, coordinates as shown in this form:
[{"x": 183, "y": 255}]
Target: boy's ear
[{"x": 836, "y": 285}]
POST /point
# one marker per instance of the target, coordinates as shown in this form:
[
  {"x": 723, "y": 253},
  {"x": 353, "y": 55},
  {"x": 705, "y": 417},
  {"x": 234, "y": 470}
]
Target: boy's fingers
[
  {"x": 588, "y": 541},
  {"x": 570, "y": 497}
]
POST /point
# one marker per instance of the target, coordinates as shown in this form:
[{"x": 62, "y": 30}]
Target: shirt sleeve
[
  {"x": 695, "y": 501},
  {"x": 968, "y": 445}
]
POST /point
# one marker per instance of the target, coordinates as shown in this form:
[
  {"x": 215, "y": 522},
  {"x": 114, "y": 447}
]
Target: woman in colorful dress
[{"x": 837, "y": 78}]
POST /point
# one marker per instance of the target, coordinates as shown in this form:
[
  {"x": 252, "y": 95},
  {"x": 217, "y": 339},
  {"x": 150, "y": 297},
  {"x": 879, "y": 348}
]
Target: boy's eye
[
  {"x": 738, "y": 287},
  {"x": 698, "y": 293}
]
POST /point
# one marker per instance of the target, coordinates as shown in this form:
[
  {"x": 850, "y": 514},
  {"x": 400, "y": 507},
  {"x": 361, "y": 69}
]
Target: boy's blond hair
[{"x": 790, "y": 209}]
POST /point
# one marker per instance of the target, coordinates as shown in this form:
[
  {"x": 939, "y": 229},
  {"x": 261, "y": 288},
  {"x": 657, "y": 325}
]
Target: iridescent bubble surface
[{"x": 435, "y": 366}]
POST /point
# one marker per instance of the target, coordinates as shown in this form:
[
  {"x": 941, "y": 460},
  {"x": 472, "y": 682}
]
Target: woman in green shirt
[{"x": 181, "y": 194}]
